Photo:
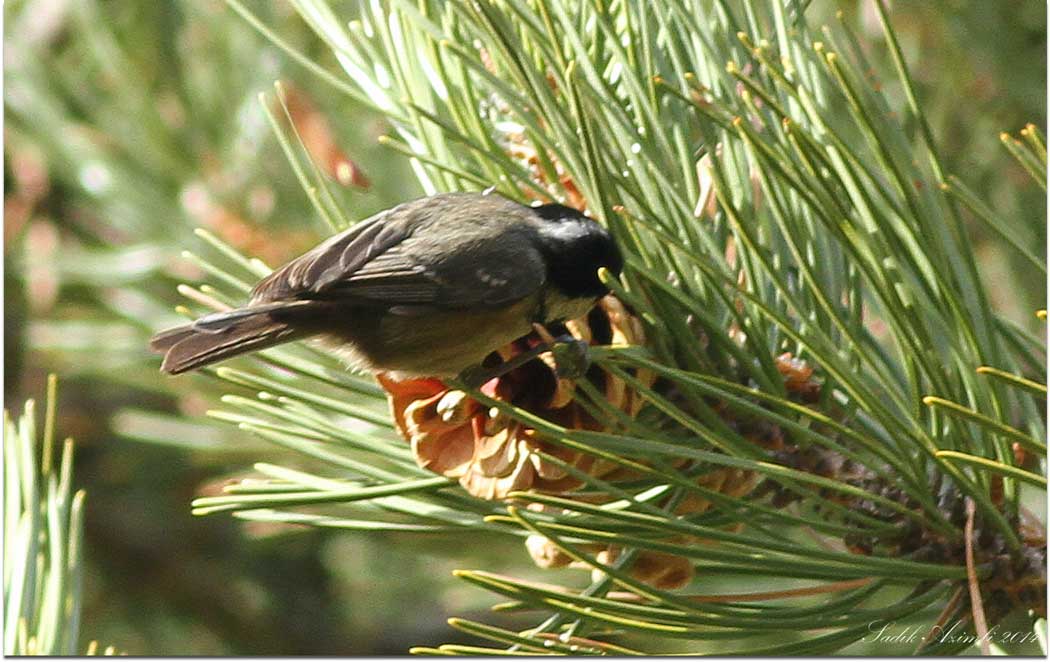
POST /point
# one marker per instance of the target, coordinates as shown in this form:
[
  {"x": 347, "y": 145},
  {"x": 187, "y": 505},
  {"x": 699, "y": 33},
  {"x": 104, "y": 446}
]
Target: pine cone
[{"x": 490, "y": 453}]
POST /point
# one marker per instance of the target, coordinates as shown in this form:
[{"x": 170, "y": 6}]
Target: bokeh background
[{"x": 128, "y": 124}]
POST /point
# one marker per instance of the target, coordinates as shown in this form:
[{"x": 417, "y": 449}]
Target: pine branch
[
  {"x": 43, "y": 537},
  {"x": 758, "y": 298},
  {"x": 805, "y": 382}
]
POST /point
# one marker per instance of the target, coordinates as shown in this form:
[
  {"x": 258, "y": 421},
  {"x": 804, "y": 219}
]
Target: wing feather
[
  {"x": 400, "y": 259},
  {"x": 336, "y": 258}
]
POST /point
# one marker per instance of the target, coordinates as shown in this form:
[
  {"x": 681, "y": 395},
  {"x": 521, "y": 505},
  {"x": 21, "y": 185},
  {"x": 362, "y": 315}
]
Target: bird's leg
[
  {"x": 571, "y": 359},
  {"x": 475, "y": 376}
]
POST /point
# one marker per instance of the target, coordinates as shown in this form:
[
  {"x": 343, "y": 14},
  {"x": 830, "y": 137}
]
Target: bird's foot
[{"x": 571, "y": 357}]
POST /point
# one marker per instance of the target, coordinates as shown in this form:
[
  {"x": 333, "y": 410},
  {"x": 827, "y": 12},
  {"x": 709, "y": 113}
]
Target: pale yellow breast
[{"x": 443, "y": 344}]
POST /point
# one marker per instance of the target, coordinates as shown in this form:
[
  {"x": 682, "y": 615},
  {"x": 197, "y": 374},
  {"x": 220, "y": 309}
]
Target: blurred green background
[{"x": 128, "y": 124}]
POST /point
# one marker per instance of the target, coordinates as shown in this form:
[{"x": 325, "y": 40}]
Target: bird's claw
[{"x": 571, "y": 357}]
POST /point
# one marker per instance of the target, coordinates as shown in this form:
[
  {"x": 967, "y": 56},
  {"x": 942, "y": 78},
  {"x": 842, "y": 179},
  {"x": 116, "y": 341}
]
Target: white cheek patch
[{"x": 567, "y": 230}]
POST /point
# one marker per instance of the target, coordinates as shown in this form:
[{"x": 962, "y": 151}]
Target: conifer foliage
[
  {"x": 803, "y": 419},
  {"x": 828, "y": 401}
]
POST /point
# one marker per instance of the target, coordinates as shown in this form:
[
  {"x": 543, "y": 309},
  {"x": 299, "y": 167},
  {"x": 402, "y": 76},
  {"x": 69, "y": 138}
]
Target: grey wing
[
  {"x": 336, "y": 258},
  {"x": 479, "y": 273},
  {"x": 381, "y": 263}
]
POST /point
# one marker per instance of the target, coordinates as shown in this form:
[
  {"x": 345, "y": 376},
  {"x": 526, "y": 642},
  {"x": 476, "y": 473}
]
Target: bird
[{"x": 425, "y": 289}]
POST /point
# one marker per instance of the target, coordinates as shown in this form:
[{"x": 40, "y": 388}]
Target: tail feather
[{"x": 220, "y": 337}]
